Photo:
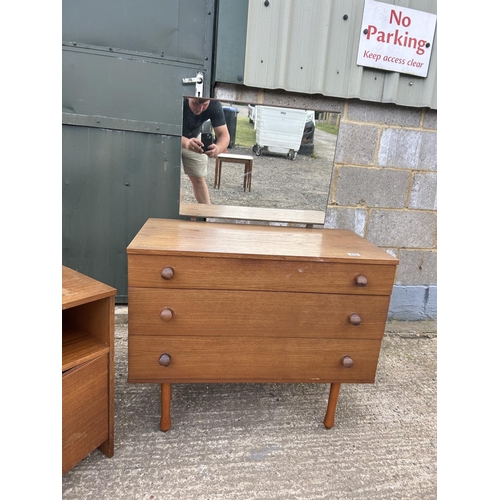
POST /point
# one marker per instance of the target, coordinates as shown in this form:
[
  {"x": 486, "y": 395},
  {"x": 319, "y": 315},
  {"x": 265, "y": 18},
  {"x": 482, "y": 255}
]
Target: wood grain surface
[
  {"x": 178, "y": 237},
  {"x": 251, "y": 359},
  {"x": 259, "y": 314}
]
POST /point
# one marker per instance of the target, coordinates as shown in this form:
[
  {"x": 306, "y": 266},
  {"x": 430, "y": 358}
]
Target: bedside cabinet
[
  {"x": 213, "y": 302},
  {"x": 87, "y": 367}
]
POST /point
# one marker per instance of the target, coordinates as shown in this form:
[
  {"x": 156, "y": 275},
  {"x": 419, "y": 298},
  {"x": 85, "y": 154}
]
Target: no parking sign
[{"x": 396, "y": 38}]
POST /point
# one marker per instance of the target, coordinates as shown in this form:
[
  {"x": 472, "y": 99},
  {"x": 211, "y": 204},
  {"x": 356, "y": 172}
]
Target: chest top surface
[{"x": 181, "y": 237}]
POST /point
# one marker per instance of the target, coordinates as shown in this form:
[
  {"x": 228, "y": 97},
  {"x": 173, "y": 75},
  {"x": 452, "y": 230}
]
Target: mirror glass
[{"x": 292, "y": 153}]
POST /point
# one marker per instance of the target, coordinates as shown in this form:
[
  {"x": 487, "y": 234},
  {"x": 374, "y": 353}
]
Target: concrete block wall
[{"x": 384, "y": 189}]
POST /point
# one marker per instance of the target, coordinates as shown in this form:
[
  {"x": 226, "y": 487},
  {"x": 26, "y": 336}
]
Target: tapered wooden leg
[
  {"x": 108, "y": 447},
  {"x": 332, "y": 406},
  {"x": 218, "y": 172},
  {"x": 166, "y": 396}
]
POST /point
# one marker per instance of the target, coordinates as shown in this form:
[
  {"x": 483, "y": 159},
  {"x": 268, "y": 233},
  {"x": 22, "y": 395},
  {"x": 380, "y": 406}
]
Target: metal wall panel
[
  {"x": 132, "y": 93},
  {"x": 112, "y": 182},
  {"x": 162, "y": 28},
  {"x": 307, "y": 46},
  {"x": 231, "y": 41},
  {"x": 123, "y": 63}
]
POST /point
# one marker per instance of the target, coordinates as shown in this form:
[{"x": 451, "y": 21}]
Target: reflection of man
[{"x": 196, "y": 112}]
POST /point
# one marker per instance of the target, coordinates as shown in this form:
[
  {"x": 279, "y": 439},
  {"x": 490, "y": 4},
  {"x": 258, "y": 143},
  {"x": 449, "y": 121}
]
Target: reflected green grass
[{"x": 245, "y": 133}]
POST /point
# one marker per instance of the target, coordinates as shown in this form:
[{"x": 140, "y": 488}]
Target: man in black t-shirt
[{"x": 194, "y": 160}]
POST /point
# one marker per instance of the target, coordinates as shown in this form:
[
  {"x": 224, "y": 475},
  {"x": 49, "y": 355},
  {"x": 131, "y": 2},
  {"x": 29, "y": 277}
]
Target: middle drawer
[{"x": 257, "y": 314}]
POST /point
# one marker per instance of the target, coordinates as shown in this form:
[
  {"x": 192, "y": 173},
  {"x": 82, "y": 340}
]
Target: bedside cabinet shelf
[{"x": 79, "y": 347}]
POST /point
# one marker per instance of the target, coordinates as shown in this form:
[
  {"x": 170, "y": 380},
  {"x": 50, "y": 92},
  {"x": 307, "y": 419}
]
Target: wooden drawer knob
[
  {"x": 347, "y": 361},
  {"x": 165, "y": 359},
  {"x": 361, "y": 280},
  {"x": 354, "y": 319},
  {"x": 166, "y": 314},
  {"x": 167, "y": 273}
]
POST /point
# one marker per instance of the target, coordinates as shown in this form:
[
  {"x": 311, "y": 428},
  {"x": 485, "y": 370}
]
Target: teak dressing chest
[
  {"x": 216, "y": 302},
  {"x": 88, "y": 327}
]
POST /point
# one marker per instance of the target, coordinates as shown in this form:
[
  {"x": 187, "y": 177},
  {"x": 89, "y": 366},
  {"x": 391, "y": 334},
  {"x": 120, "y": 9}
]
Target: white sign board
[{"x": 396, "y": 38}]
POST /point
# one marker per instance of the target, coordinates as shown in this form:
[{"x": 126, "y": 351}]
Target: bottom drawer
[
  {"x": 249, "y": 359},
  {"x": 84, "y": 410}
]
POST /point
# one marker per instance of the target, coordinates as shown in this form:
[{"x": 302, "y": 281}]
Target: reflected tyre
[{"x": 306, "y": 149}]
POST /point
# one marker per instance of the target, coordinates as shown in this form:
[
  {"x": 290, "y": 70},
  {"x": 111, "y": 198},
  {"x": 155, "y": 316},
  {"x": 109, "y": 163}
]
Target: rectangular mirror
[{"x": 292, "y": 154}]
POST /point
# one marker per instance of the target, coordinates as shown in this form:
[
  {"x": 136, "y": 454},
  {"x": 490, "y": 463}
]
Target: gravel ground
[
  {"x": 268, "y": 441},
  {"x": 277, "y": 182}
]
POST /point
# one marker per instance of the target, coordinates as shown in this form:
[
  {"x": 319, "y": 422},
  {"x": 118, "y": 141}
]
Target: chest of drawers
[{"x": 213, "y": 302}]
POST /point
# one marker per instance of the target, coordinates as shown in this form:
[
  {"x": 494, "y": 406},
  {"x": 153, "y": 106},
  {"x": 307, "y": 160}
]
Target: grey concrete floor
[{"x": 267, "y": 441}]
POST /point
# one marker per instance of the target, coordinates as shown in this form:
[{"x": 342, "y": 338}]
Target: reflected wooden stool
[{"x": 229, "y": 158}]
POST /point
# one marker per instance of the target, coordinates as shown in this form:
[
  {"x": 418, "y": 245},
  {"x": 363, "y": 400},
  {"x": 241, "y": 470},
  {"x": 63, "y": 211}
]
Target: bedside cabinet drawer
[
  {"x": 255, "y": 314},
  {"x": 243, "y": 359},
  {"x": 84, "y": 410},
  {"x": 156, "y": 271}
]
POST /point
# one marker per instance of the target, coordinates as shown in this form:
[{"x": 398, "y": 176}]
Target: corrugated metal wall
[
  {"x": 310, "y": 46},
  {"x": 123, "y": 65}
]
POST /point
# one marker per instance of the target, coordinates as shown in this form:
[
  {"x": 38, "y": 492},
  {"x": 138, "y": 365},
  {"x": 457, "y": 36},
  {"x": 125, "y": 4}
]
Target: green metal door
[{"x": 123, "y": 66}]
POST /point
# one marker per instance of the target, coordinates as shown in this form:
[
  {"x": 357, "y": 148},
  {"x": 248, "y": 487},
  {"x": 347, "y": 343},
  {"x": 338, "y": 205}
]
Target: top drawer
[{"x": 146, "y": 271}]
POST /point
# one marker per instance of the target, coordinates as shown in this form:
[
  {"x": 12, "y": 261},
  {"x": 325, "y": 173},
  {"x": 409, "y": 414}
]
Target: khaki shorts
[{"x": 194, "y": 164}]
